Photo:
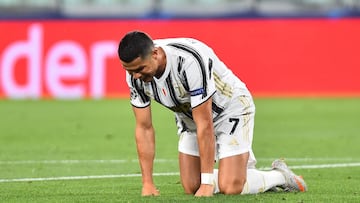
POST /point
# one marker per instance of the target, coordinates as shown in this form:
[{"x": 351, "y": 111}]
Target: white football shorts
[{"x": 233, "y": 135}]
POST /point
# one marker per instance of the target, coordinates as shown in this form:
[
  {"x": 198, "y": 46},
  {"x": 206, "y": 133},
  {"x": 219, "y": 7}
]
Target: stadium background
[
  {"x": 82, "y": 149},
  {"x": 67, "y": 49}
]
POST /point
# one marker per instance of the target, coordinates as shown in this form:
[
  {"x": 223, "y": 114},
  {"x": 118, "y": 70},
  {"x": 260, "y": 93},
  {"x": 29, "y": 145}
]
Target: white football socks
[
  {"x": 216, "y": 177},
  {"x": 257, "y": 181},
  {"x": 261, "y": 181}
]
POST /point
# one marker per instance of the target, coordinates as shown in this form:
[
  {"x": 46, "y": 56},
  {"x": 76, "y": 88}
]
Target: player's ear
[{"x": 155, "y": 52}]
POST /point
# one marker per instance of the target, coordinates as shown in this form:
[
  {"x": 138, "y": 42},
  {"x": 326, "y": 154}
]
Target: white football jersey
[{"x": 192, "y": 75}]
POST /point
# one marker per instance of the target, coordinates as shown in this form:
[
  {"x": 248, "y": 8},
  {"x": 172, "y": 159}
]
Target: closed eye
[{"x": 138, "y": 70}]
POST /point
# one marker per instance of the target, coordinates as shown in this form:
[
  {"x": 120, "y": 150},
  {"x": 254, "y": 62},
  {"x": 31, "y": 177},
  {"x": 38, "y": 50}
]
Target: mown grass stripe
[
  {"x": 120, "y": 161},
  {"x": 319, "y": 166}
]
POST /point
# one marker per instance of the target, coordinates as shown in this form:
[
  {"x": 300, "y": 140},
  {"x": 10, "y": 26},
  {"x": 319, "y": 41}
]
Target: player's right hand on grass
[
  {"x": 149, "y": 190},
  {"x": 205, "y": 191}
]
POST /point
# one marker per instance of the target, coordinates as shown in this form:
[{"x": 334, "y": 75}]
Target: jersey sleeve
[
  {"x": 198, "y": 73},
  {"x": 138, "y": 98}
]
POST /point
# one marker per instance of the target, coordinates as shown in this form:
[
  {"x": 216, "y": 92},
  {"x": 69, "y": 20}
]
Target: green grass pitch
[{"x": 84, "y": 151}]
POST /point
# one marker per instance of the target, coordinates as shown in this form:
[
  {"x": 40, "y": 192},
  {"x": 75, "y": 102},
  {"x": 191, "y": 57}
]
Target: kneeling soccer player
[{"x": 214, "y": 113}]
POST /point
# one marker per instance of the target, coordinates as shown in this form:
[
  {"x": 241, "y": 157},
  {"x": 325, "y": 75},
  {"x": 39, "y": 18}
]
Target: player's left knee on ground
[{"x": 231, "y": 186}]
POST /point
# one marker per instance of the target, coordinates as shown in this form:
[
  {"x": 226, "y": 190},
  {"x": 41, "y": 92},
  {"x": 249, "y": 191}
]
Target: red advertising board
[{"x": 78, "y": 59}]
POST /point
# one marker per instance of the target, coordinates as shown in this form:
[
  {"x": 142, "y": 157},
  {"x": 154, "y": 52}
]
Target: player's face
[{"x": 143, "y": 69}]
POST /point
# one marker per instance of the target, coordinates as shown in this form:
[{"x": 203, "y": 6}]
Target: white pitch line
[
  {"x": 340, "y": 165},
  {"x": 309, "y": 159},
  {"x": 61, "y": 161},
  {"x": 82, "y": 177},
  {"x": 115, "y": 161},
  {"x": 122, "y": 161},
  {"x": 343, "y": 165},
  {"x": 319, "y": 166}
]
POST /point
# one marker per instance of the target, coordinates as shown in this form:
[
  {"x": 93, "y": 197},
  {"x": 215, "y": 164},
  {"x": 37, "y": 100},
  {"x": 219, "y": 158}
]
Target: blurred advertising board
[{"x": 74, "y": 59}]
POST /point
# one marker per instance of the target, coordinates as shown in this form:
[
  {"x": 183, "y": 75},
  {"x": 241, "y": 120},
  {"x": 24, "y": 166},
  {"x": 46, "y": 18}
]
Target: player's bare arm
[
  {"x": 202, "y": 115},
  {"x": 145, "y": 143}
]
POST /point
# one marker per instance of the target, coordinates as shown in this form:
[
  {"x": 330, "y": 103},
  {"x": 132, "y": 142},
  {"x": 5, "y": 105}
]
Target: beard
[{"x": 147, "y": 78}]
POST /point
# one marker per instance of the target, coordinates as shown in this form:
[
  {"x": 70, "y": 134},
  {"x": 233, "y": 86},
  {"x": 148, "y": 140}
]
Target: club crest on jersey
[
  {"x": 197, "y": 92},
  {"x": 133, "y": 94}
]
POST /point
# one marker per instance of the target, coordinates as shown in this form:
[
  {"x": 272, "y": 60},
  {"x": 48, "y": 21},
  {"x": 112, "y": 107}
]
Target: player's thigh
[{"x": 232, "y": 173}]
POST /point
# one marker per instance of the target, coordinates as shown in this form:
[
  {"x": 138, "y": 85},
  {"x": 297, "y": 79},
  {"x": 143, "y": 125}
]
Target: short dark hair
[{"x": 133, "y": 45}]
